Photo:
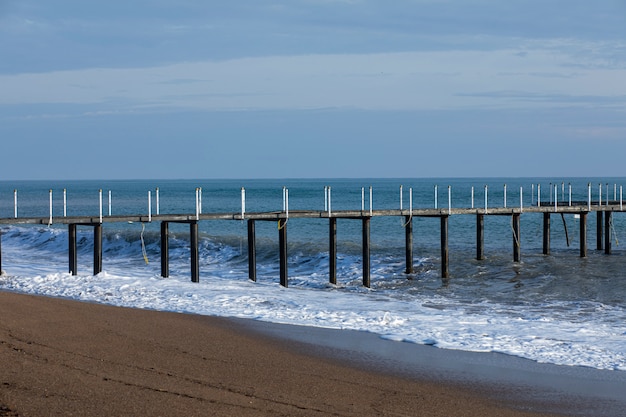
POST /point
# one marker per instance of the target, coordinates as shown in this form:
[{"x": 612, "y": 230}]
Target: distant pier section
[{"x": 603, "y": 207}]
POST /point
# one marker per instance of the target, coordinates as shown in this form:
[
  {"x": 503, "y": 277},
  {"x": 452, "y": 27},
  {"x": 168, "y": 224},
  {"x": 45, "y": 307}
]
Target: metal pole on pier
[
  {"x": 408, "y": 243},
  {"x": 599, "y": 231},
  {"x": 165, "y": 249},
  {"x": 251, "y": 250},
  {"x": 73, "y": 258},
  {"x": 195, "y": 256},
  {"x": 608, "y": 216},
  {"x": 332, "y": 250},
  {"x": 546, "y": 233},
  {"x": 97, "y": 249},
  {"x": 516, "y": 238},
  {"x": 480, "y": 237},
  {"x": 445, "y": 273},
  {"x": 282, "y": 242},
  {"x": 583, "y": 235},
  {"x": 366, "y": 251}
]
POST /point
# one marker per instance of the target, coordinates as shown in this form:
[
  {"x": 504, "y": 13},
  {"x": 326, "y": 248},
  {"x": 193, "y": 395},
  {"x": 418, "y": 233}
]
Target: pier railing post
[
  {"x": 516, "y": 238},
  {"x": 445, "y": 273},
  {"x": 195, "y": 256},
  {"x": 332, "y": 250},
  {"x": 480, "y": 237},
  {"x": 282, "y": 242},
  {"x": 408, "y": 241},
  {"x": 73, "y": 257},
  {"x": 607, "y": 232},
  {"x": 546, "y": 233},
  {"x": 251, "y": 250},
  {"x": 583, "y": 234},
  {"x": 97, "y": 249},
  {"x": 165, "y": 250}
]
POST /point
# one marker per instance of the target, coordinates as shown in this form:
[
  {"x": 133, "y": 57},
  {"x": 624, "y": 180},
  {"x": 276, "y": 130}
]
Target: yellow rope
[{"x": 143, "y": 244}]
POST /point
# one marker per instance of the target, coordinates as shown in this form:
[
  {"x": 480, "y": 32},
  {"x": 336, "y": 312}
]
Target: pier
[{"x": 604, "y": 210}]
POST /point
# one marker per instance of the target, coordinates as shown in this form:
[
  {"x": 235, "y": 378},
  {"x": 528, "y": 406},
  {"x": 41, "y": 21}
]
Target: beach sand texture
[{"x": 63, "y": 357}]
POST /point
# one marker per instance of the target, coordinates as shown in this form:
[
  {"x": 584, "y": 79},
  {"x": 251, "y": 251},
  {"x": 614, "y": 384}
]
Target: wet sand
[{"x": 63, "y": 357}]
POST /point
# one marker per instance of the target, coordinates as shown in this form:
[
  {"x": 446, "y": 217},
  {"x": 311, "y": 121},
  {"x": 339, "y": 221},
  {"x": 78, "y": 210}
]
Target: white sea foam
[{"x": 224, "y": 290}]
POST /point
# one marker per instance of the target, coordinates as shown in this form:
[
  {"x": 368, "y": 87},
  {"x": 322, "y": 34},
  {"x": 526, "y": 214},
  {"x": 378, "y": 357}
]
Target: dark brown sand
[{"x": 61, "y": 357}]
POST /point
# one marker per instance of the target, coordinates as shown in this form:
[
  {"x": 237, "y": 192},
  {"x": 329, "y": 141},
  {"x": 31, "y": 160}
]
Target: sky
[{"x": 164, "y": 89}]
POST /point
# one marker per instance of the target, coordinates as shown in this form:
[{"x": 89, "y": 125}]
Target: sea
[{"x": 557, "y": 308}]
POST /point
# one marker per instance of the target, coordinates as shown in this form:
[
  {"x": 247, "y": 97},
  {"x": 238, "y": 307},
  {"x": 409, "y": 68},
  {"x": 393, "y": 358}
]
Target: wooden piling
[
  {"x": 366, "y": 252},
  {"x": 599, "y": 233},
  {"x": 97, "y": 249},
  {"x": 517, "y": 254},
  {"x": 607, "y": 232},
  {"x": 165, "y": 249},
  {"x": 408, "y": 243},
  {"x": 445, "y": 273},
  {"x": 546, "y": 233},
  {"x": 251, "y": 250},
  {"x": 282, "y": 242},
  {"x": 332, "y": 250},
  {"x": 73, "y": 257},
  {"x": 480, "y": 237},
  {"x": 583, "y": 234},
  {"x": 195, "y": 256}
]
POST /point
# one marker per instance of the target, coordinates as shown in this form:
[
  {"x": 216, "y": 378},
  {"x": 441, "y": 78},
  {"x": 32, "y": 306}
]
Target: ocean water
[{"x": 559, "y": 309}]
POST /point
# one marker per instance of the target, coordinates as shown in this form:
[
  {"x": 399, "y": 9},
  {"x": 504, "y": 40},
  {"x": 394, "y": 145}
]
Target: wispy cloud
[{"x": 383, "y": 81}]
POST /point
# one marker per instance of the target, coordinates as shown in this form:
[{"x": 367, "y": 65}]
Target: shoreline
[
  {"x": 66, "y": 355},
  {"x": 571, "y": 390}
]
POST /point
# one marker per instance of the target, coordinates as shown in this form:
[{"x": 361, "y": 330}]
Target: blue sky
[{"x": 312, "y": 88}]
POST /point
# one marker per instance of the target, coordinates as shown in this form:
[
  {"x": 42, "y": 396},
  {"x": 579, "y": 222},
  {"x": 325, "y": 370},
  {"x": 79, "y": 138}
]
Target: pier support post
[
  {"x": 546, "y": 233},
  {"x": 607, "y": 232},
  {"x": 517, "y": 255},
  {"x": 599, "y": 230},
  {"x": 73, "y": 257},
  {"x": 583, "y": 235},
  {"x": 480, "y": 237},
  {"x": 0, "y": 251},
  {"x": 97, "y": 249},
  {"x": 408, "y": 241},
  {"x": 366, "y": 252},
  {"x": 251, "y": 250},
  {"x": 332, "y": 250},
  {"x": 195, "y": 256},
  {"x": 445, "y": 273},
  {"x": 282, "y": 242},
  {"x": 165, "y": 249}
]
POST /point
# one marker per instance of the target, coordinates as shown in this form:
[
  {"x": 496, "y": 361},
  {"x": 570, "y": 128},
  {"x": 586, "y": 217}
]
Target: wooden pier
[{"x": 604, "y": 211}]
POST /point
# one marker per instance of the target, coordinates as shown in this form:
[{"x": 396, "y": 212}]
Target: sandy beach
[{"x": 63, "y": 357}]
